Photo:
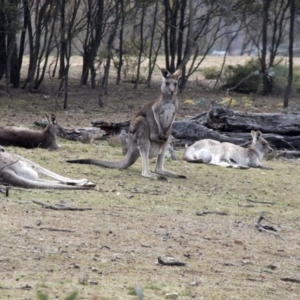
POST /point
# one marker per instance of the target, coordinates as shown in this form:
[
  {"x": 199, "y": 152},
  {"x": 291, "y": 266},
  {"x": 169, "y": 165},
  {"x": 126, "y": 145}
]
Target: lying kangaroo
[
  {"x": 228, "y": 154},
  {"x": 149, "y": 132},
  {"x": 27, "y": 138},
  {"x": 21, "y": 172}
]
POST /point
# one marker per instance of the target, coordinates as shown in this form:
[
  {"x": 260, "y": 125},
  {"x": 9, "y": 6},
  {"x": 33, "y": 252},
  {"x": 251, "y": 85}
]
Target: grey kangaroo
[
  {"x": 27, "y": 138},
  {"x": 149, "y": 132},
  {"x": 21, "y": 172},
  {"x": 228, "y": 154}
]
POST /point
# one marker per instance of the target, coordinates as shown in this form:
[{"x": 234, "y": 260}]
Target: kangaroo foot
[{"x": 155, "y": 176}]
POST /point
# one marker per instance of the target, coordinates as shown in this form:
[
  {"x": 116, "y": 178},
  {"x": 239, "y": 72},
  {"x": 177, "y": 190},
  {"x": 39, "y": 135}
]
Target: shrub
[
  {"x": 236, "y": 77},
  {"x": 130, "y": 60},
  {"x": 281, "y": 77},
  {"x": 210, "y": 72},
  {"x": 243, "y": 78}
]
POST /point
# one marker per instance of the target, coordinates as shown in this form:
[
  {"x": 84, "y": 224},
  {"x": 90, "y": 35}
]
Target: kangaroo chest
[{"x": 166, "y": 116}]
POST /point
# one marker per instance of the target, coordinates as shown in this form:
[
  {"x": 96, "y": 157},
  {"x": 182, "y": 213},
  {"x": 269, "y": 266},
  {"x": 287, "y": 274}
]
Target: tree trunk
[
  {"x": 120, "y": 65},
  {"x": 152, "y": 60},
  {"x": 291, "y": 54},
  {"x": 141, "y": 46},
  {"x": 3, "y": 55},
  {"x": 62, "y": 40},
  {"x": 267, "y": 80},
  {"x": 26, "y": 16},
  {"x": 91, "y": 45}
]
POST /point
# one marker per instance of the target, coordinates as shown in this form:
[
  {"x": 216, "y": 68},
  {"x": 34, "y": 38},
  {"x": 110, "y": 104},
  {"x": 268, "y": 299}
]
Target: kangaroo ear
[
  {"x": 47, "y": 118},
  {"x": 253, "y": 134},
  {"x": 177, "y": 73},
  {"x": 53, "y": 118},
  {"x": 258, "y": 134},
  {"x": 165, "y": 73}
]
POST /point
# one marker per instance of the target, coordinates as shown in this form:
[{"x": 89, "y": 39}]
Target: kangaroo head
[
  {"x": 259, "y": 143},
  {"x": 53, "y": 127},
  {"x": 170, "y": 81}
]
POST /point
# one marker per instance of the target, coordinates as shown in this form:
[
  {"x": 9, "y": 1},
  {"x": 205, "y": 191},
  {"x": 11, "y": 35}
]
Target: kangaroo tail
[
  {"x": 129, "y": 160},
  {"x": 200, "y": 160}
]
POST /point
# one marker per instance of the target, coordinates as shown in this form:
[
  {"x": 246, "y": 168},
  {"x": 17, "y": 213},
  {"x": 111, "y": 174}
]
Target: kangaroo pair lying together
[
  {"x": 19, "y": 171},
  {"x": 149, "y": 132},
  {"x": 27, "y": 138},
  {"x": 229, "y": 155}
]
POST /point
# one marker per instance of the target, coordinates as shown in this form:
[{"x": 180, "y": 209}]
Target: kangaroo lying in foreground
[
  {"x": 149, "y": 132},
  {"x": 228, "y": 154},
  {"x": 27, "y": 138},
  {"x": 21, "y": 172}
]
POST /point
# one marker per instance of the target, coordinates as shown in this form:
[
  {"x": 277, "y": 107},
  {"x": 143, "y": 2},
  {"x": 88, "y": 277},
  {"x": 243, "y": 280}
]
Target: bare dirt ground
[{"x": 107, "y": 252}]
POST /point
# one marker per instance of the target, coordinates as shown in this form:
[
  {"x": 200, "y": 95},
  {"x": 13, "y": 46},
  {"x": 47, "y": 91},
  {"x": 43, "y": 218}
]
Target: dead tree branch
[{"x": 60, "y": 206}]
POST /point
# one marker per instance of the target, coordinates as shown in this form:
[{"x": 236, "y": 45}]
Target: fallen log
[
  {"x": 220, "y": 123},
  {"x": 275, "y": 140},
  {"x": 76, "y": 134},
  {"x": 189, "y": 131},
  {"x": 288, "y": 154},
  {"x": 186, "y": 132},
  {"x": 225, "y": 119},
  {"x": 111, "y": 128}
]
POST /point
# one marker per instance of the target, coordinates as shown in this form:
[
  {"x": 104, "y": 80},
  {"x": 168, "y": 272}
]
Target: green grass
[{"x": 114, "y": 247}]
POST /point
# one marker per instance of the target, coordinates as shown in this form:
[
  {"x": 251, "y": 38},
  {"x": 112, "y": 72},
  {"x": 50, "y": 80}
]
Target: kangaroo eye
[
  {"x": 175, "y": 84},
  {"x": 167, "y": 83}
]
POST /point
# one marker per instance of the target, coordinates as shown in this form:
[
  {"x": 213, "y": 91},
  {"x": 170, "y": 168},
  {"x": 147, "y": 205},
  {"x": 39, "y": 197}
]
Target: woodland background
[
  {"x": 86, "y": 60},
  {"x": 121, "y": 40}
]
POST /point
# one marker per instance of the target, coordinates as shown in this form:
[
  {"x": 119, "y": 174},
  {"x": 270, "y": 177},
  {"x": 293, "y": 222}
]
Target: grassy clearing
[
  {"x": 134, "y": 220},
  {"x": 113, "y": 248}
]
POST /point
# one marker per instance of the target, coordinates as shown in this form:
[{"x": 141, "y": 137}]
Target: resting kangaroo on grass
[
  {"x": 149, "y": 132},
  {"x": 27, "y": 138},
  {"x": 21, "y": 172},
  {"x": 228, "y": 154}
]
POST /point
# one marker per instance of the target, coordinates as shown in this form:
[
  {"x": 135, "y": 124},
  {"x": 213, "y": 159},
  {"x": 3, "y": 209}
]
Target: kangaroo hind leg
[
  {"x": 159, "y": 168},
  {"x": 62, "y": 179}
]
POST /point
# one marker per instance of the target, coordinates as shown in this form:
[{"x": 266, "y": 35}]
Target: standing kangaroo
[
  {"x": 149, "y": 132},
  {"x": 228, "y": 154},
  {"x": 27, "y": 138}
]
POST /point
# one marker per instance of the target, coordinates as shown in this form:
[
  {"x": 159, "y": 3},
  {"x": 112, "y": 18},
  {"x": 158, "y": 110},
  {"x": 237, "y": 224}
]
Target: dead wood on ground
[
  {"x": 49, "y": 229},
  {"x": 208, "y": 212},
  {"x": 219, "y": 123},
  {"x": 170, "y": 261},
  {"x": 266, "y": 228},
  {"x": 4, "y": 190},
  {"x": 60, "y": 206},
  {"x": 83, "y": 135},
  {"x": 223, "y": 124}
]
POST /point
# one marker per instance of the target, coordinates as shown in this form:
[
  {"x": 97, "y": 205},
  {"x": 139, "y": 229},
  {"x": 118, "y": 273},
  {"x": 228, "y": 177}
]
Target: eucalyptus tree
[
  {"x": 41, "y": 28},
  {"x": 291, "y": 54},
  {"x": 194, "y": 27},
  {"x": 93, "y": 36},
  {"x": 10, "y": 25},
  {"x": 71, "y": 23},
  {"x": 271, "y": 18}
]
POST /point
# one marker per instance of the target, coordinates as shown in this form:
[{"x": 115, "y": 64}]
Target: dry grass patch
[{"x": 113, "y": 248}]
